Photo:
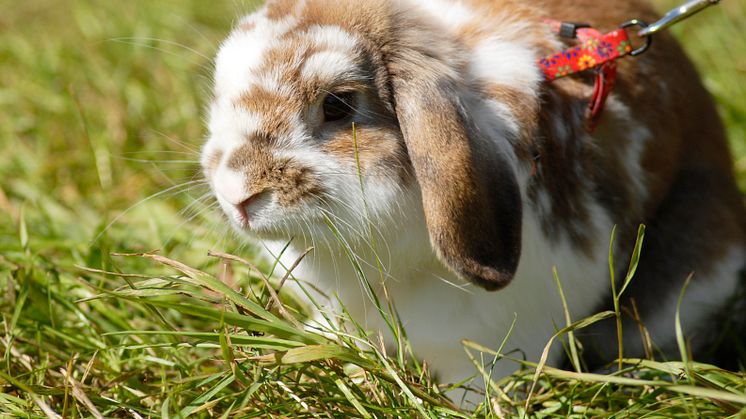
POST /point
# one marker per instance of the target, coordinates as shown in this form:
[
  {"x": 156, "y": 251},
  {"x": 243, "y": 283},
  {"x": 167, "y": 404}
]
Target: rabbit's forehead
[{"x": 285, "y": 57}]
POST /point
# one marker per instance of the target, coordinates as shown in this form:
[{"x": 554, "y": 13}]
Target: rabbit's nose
[{"x": 248, "y": 207}]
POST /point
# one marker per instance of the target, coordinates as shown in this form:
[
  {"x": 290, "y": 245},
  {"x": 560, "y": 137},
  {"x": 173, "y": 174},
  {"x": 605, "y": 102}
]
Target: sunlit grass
[{"x": 101, "y": 111}]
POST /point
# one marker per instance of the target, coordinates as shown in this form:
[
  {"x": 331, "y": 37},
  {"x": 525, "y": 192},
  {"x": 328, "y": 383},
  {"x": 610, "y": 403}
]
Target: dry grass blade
[
  {"x": 80, "y": 395},
  {"x": 48, "y": 412},
  {"x": 290, "y": 270}
]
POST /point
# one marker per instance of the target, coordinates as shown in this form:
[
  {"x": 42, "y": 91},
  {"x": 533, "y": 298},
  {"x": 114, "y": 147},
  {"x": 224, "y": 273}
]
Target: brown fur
[
  {"x": 290, "y": 181},
  {"x": 275, "y": 110},
  {"x": 377, "y": 149},
  {"x": 279, "y": 9}
]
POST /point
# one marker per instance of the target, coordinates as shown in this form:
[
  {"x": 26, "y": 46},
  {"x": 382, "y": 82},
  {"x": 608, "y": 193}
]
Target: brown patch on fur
[
  {"x": 276, "y": 111},
  {"x": 369, "y": 18},
  {"x": 279, "y": 9},
  {"x": 492, "y": 17}
]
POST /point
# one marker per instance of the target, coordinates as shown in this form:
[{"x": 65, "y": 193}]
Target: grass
[{"x": 100, "y": 126}]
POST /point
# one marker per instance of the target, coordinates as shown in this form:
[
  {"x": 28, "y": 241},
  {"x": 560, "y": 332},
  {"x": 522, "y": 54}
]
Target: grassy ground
[{"x": 100, "y": 125}]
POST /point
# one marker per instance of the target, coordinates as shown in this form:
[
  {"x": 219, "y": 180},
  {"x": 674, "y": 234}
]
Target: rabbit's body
[{"x": 467, "y": 168}]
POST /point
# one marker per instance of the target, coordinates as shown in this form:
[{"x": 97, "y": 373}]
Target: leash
[{"x": 599, "y": 52}]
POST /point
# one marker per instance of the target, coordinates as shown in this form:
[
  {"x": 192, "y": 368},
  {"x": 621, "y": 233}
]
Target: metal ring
[{"x": 648, "y": 39}]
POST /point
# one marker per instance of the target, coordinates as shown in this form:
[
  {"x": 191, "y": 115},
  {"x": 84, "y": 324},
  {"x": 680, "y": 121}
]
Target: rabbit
[{"x": 416, "y": 142}]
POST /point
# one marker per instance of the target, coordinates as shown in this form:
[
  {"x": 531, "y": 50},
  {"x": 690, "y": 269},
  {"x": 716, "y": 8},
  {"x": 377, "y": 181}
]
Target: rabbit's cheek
[{"x": 377, "y": 152}]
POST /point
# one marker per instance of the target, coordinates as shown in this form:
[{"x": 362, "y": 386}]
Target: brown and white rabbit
[{"x": 468, "y": 173}]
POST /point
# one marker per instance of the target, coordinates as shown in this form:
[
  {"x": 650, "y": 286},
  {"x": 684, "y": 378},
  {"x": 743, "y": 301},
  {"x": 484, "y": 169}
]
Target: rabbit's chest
[{"x": 439, "y": 310}]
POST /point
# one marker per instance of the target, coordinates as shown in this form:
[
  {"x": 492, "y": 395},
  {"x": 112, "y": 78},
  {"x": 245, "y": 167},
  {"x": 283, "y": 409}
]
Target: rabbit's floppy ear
[{"x": 470, "y": 193}]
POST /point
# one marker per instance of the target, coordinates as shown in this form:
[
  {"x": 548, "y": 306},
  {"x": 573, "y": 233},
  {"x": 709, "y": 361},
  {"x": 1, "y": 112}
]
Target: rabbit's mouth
[{"x": 265, "y": 216}]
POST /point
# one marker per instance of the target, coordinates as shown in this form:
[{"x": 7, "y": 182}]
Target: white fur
[
  {"x": 507, "y": 63},
  {"x": 450, "y": 14},
  {"x": 229, "y": 127},
  {"x": 242, "y": 52},
  {"x": 639, "y": 136},
  {"x": 239, "y": 54},
  {"x": 328, "y": 65},
  {"x": 229, "y": 124},
  {"x": 332, "y": 37}
]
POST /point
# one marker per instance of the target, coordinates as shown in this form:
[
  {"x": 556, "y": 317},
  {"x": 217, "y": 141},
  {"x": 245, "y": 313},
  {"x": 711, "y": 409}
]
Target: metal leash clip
[{"x": 675, "y": 15}]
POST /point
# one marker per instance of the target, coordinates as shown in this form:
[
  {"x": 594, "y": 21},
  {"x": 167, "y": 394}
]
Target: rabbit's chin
[
  {"x": 282, "y": 224},
  {"x": 282, "y": 230}
]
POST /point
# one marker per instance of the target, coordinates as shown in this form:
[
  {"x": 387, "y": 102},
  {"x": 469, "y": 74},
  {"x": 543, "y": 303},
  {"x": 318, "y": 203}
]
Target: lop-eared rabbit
[{"x": 467, "y": 176}]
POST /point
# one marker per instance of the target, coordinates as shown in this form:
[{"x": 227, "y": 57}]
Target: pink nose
[{"x": 243, "y": 207}]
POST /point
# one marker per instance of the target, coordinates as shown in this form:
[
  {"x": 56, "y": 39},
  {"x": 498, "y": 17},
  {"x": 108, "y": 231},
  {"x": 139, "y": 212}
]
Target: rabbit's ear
[{"x": 470, "y": 193}]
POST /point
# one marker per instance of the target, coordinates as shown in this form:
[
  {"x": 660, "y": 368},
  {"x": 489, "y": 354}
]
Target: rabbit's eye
[{"x": 338, "y": 106}]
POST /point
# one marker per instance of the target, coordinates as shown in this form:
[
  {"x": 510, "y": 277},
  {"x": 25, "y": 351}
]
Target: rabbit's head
[{"x": 333, "y": 112}]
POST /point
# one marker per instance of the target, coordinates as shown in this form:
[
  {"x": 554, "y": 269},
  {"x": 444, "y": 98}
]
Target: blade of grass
[
  {"x": 202, "y": 402},
  {"x": 634, "y": 260},
  {"x": 351, "y": 398},
  {"x": 680, "y": 342},
  {"x": 568, "y": 321}
]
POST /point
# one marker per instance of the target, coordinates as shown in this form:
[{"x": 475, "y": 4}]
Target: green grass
[{"x": 100, "y": 111}]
